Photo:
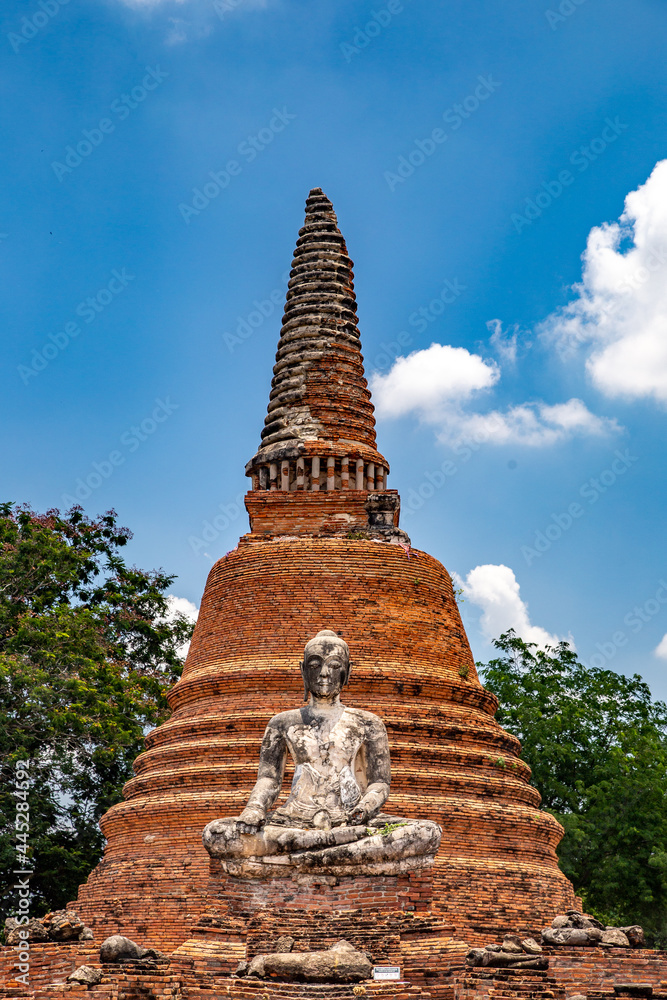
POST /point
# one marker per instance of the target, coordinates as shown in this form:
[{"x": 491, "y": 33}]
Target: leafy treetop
[
  {"x": 597, "y": 746},
  {"x": 88, "y": 649}
]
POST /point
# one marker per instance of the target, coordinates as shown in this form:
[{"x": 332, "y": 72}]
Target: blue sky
[{"x": 157, "y": 159}]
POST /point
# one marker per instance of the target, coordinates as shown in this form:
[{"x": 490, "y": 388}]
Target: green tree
[
  {"x": 88, "y": 649},
  {"x": 597, "y": 746}
]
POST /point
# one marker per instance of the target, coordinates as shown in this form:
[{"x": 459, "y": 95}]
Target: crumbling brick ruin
[{"x": 325, "y": 550}]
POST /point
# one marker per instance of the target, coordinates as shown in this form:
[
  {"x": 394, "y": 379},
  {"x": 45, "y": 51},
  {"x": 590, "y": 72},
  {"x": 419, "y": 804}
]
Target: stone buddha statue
[{"x": 331, "y": 821}]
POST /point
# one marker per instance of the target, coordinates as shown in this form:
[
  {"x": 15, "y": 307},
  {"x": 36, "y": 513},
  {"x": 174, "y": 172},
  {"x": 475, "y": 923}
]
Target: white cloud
[
  {"x": 620, "y": 309},
  {"x": 426, "y": 381},
  {"x": 438, "y": 385},
  {"x": 503, "y": 342},
  {"x": 496, "y": 591},
  {"x": 661, "y": 649},
  {"x": 533, "y": 424},
  {"x": 181, "y": 606}
]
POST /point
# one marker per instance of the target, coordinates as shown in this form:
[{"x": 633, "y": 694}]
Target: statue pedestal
[{"x": 390, "y": 917}]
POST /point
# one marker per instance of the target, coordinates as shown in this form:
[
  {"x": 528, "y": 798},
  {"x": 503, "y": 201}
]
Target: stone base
[
  {"x": 390, "y": 917},
  {"x": 371, "y": 912}
]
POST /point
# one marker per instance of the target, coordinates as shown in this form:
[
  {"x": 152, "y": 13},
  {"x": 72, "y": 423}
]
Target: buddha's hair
[{"x": 327, "y": 633}]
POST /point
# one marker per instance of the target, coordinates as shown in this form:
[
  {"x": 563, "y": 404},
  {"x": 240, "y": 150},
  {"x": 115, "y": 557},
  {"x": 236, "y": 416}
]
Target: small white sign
[{"x": 386, "y": 972}]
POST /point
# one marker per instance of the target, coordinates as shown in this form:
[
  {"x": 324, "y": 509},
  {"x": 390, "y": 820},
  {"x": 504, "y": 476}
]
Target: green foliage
[
  {"x": 385, "y": 830},
  {"x": 597, "y": 746},
  {"x": 86, "y": 656}
]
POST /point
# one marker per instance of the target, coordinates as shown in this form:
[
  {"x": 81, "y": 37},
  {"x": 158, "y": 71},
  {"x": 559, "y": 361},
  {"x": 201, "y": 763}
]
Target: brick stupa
[{"x": 325, "y": 551}]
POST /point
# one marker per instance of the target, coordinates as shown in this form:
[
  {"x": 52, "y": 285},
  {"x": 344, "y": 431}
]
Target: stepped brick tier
[
  {"x": 325, "y": 551},
  {"x": 197, "y": 972},
  {"x": 411, "y": 663}
]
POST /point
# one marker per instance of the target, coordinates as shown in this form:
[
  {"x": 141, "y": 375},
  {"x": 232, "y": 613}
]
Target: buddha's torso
[{"x": 329, "y": 768}]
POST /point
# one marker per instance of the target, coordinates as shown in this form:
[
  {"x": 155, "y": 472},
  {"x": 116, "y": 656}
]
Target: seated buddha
[{"x": 331, "y": 821}]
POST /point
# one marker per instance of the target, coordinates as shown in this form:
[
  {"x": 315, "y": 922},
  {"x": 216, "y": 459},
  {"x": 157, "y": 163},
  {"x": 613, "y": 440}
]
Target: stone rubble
[
  {"x": 87, "y": 975},
  {"x": 514, "y": 952},
  {"x": 571, "y": 929},
  {"x": 60, "y": 925},
  {"x": 118, "y": 948},
  {"x": 575, "y": 929},
  {"x": 341, "y": 963}
]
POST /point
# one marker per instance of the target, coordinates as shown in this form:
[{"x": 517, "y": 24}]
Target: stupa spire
[{"x": 319, "y": 431}]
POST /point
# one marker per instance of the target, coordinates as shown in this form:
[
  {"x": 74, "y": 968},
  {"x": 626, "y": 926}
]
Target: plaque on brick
[{"x": 386, "y": 972}]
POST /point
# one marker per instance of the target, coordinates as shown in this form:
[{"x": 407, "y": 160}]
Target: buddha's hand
[
  {"x": 251, "y": 819},
  {"x": 359, "y": 816}
]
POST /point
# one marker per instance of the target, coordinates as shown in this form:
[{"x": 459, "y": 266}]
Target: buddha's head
[{"x": 326, "y": 665}]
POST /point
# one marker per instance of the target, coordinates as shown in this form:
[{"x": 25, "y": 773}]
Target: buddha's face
[{"x": 325, "y": 667}]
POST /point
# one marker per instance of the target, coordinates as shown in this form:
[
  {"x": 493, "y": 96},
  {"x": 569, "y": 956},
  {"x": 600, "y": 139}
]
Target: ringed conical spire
[{"x": 320, "y": 406}]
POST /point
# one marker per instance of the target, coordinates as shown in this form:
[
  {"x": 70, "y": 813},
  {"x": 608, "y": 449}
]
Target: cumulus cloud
[
  {"x": 439, "y": 385},
  {"x": 619, "y": 314},
  {"x": 181, "y": 606},
  {"x": 496, "y": 591},
  {"x": 661, "y": 649},
  {"x": 430, "y": 380},
  {"x": 532, "y": 424}
]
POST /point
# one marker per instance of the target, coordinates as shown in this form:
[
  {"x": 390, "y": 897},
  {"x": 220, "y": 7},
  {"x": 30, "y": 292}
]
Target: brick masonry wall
[
  {"x": 586, "y": 969},
  {"x": 273, "y": 514},
  {"x": 434, "y": 963},
  {"x": 593, "y": 972},
  {"x": 48, "y": 962},
  {"x": 412, "y": 665},
  {"x": 136, "y": 984}
]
